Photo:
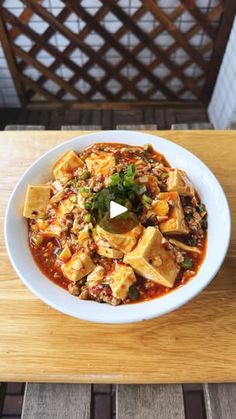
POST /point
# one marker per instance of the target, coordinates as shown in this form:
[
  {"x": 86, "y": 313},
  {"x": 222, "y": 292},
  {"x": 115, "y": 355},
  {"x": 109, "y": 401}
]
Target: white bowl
[{"x": 211, "y": 193}]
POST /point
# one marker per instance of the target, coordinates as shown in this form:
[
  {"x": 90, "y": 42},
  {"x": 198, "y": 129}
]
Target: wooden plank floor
[
  {"x": 103, "y": 401},
  {"x": 108, "y": 119}
]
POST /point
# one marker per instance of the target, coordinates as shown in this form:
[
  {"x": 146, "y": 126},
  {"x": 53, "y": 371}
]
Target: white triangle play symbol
[{"x": 116, "y": 209}]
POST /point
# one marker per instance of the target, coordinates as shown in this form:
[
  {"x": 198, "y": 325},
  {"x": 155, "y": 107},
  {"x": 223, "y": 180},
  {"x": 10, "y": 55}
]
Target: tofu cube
[
  {"x": 178, "y": 181},
  {"x": 54, "y": 229},
  {"x": 78, "y": 266},
  {"x": 124, "y": 242},
  {"x": 160, "y": 208},
  {"x": 36, "y": 201},
  {"x": 175, "y": 224},
  {"x": 109, "y": 252},
  {"x": 105, "y": 249},
  {"x": 152, "y": 260},
  {"x": 96, "y": 276},
  {"x": 65, "y": 166},
  {"x": 120, "y": 280},
  {"x": 100, "y": 163},
  {"x": 65, "y": 207},
  {"x": 65, "y": 254}
]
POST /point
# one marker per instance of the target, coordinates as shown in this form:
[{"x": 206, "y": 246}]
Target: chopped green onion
[
  {"x": 84, "y": 190},
  {"x": 147, "y": 201},
  {"x": 164, "y": 175},
  {"x": 88, "y": 206},
  {"x": 133, "y": 293},
  {"x": 129, "y": 175},
  {"x": 88, "y": 218},
  {"x": 131, "y": 170},
  {"x": 73, "y": 198},
  {"x": 73, "y": 183},
  {"x": 85, "y": 175},
  {"x": 187, "y": 263}
]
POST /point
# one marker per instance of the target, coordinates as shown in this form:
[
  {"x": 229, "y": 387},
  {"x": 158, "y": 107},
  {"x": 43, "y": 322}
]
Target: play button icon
[
  {"x": 116, "y": 209},
  {"x": 118, "y": 219}
]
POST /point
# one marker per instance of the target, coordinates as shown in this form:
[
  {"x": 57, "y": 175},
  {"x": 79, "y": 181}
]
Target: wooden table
[{"x": 196, "y": 343}]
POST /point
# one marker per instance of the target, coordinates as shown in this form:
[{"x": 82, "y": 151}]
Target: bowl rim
[{"x": 132, "y": 317}]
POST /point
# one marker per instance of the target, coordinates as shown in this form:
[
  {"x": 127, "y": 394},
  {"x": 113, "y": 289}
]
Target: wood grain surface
[
  {"x": 150, "y": 402},
  {"x": 57, "y": 401},
  {"x": 196, "y": 343}
]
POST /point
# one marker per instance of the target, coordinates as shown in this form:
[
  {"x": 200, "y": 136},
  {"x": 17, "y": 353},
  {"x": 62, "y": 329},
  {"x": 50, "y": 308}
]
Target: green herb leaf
[
  {"x": 187, "y": 263},
  {"x": 115, "y": 179},
  {"x": 133, "y": 293}
]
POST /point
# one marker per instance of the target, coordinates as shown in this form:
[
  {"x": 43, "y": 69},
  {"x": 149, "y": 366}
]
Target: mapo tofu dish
[{"x": 157, "y": 245}]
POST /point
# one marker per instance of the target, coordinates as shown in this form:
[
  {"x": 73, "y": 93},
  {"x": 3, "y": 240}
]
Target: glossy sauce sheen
[
  {"x": 46, "y": 254},
  {"x": 47, "y": 266}
]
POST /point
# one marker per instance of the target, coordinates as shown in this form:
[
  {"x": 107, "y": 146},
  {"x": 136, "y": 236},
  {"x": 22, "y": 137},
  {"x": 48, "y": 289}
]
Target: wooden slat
[
  {"x": 49, "y": 48},
  {"x": 154, "y": 48},
  {"x": 194, "y": 125},
  {"x": 62, "y": 16},
  {"x": 79, "y": 71},
  {"x": 137, "y": 127},
  {"x": 81, "y": 127},
  {"x": 90, "y": 21},
  {"x": 115, "y": 105},
  {"x": 79, "y": 43},
  {"x": 149, "y": 402},
  {"x": 128, "y": 55},
  {"x": 12, "y": 62},
  {"x": 162, "y": 17},
  {"x": 220, "y": 401},
  {"x": 137, "y": 49},
  {"x": 24, "y": 17},
  {"x": 202, "y": 19},
  {"x": 104, "y": 49},
  {"x": 40, "y": 67},
  {"x": 219, "y": 48},
  {"x": 24, "y": 127},
  {"x": 58, "y": 401},
  {"x": 35, "y": 86}
]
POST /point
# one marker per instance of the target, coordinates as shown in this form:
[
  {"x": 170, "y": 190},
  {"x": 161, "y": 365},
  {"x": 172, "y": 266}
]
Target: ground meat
[
  {"x": 197, "y": 216},
  {"x": 73, "y": 289},
  {"x": 179, "y": 256},
  {"x": 98, "y": 187},
  {"x": 84, "y": 295},
  {"x": 166, "y": 244},
  {"x": 111, "y": 300},
  {"x": 97, "y": 183}
]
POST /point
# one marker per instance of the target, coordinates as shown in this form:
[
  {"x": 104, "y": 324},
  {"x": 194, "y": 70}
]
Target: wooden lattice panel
[{"x": 114, "y": 51}]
